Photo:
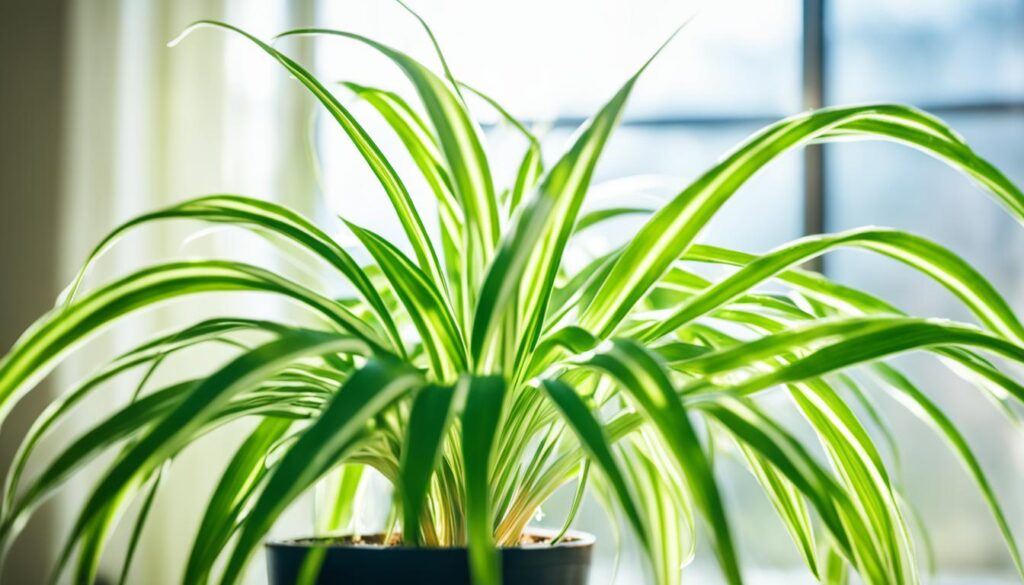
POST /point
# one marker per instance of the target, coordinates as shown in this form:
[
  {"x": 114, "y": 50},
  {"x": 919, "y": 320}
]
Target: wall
[{"x": 31, "y": 61}]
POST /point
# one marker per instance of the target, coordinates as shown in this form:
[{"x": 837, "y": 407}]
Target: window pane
[
  {"x": 886, "y": 184},
  {"x": 926, "y": 52}
]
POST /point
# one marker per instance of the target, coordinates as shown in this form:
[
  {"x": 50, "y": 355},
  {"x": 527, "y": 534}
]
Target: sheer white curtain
[{"x": 146, "y": 126}]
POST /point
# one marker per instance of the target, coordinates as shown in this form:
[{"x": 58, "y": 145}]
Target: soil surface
[{"x": 396, "y": 540}]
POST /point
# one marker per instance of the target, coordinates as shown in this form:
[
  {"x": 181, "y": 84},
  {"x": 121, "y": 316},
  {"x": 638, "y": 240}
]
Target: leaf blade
[{"x": 481, "y": 419}]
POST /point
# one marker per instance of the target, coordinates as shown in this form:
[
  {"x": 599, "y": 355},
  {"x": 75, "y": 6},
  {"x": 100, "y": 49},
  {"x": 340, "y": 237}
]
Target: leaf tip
[{"x": 193, "y": 27}]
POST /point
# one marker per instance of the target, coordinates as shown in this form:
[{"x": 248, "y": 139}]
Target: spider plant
[{"x": 479, "y": 375}]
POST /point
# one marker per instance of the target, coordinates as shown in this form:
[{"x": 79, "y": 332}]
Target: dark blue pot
[{"x": 566, "y": 563}]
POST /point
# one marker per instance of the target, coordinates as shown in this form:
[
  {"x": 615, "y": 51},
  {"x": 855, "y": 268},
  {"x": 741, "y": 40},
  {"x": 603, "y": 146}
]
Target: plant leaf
[
  {"x": 424, "y": 302},
  {"x": 925, "y": 409},
  {"x": 198, "y": 407},
  {"x": 939, "y": 263},
  {"x": 855, "y": 340},
  {"x": 258, "y": 215},
  {"x": 480, "y": 421},
  {"x": 431, "y": 416}
]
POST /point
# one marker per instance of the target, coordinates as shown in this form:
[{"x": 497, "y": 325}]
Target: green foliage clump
[{"x": 479, "y": 375}]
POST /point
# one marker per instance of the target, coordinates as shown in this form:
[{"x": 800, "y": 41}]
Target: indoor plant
[{"x": 520, "y": 376}]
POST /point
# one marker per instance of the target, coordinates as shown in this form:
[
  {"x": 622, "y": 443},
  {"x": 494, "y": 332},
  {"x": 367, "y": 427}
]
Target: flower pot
[{"x": 566, "y": 563}]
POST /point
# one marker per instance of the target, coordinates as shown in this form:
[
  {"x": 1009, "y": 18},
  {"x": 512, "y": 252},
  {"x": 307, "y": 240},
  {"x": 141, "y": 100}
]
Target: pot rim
[{"x": 579, "y": 540}]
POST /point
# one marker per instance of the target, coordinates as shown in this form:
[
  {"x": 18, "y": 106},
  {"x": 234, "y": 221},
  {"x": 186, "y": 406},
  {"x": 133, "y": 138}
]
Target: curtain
[{"x": 146, "y": 126}]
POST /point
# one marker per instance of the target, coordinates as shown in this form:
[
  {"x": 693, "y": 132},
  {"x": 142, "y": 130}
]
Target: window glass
[
  {"x": 547, "y": 59},
  {"x": 942, "y": 51}
]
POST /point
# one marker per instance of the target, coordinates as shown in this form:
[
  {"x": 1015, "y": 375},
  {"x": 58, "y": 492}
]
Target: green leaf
[
  {"x": 480, "y": 421},
  {"x": 527, "y": 262},
  {"x": 532, "y": 164},
  {"x": 431, "y": 415},
  {"x": 847, "y": 342},
  {"x": 531, "y": 169},
  {"x": 939, "y": 263},
  {"x": 836, "y": 568},
  {"x": 336, "y": 507},
  {"x": 758, "y": 433},
  {"x": 574, "y": 507},
  {"x": 123, "y": 423},
  {"x": 140, "y": 523},
  {"x": 789, "y": 504},
  {"x": 146, "y": 353},
  {"x": 92, "y": 539},
  {"x": 925, "y": 409},
  {"x": 817, "y": 287},
  {"x": 197, "y": 408},
  {"x": 599, "y": 216},
  {"x": 424, "y": 302},
  {"x": 853, "y": 455},
  {"x": 883, "y": 538},
  {"x": 663, "y": 499},
  {"x": 423, "y": 149},
  {"x": 844, "y": 300}
]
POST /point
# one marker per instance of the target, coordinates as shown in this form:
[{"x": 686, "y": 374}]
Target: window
[
  {"x": 964, "y": 62},
  {"x": 555, "y": 63}
]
